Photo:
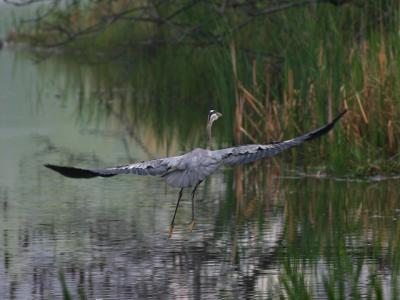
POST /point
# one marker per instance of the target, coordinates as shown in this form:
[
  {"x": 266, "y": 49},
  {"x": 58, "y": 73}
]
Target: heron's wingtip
[
  {"x": 339, "y": 116},
  {"x": 72, "y": 172},
  {"x": 51, "y": 167},
  {"x": 343, "y": 112},
  {"x": 323, "y": 130}
]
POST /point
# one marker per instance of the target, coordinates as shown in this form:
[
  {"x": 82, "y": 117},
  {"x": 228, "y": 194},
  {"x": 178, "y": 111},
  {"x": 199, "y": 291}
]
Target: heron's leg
[
  {"x": 191, "y": 225},
  {"x": 171, "y": 226}
]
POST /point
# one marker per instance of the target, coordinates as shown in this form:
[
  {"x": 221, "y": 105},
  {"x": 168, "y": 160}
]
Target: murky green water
[{"x": 259, "y": 235}]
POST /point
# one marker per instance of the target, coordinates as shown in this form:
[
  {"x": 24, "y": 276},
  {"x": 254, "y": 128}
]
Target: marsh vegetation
[
  {"x": 133, "y": 89},
  {"x": 275, "y": 69}
]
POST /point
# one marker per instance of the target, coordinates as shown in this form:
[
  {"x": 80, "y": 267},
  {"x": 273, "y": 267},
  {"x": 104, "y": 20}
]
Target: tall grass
[
  {"x": 278, "y": 77},
  {"x": 329, "y": 59}
]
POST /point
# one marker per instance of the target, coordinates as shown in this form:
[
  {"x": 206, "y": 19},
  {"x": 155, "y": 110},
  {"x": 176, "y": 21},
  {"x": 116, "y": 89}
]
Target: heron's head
[{"x": 213, "y": 116}]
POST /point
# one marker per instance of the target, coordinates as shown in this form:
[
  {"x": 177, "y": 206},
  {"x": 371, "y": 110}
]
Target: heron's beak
[{"x": 219, "y": 114}]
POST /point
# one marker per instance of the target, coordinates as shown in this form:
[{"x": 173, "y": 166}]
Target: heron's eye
[{"x": 211, "y": 112}]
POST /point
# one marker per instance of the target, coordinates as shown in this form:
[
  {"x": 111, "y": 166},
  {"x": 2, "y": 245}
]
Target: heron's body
[{"x": 191, "y": 168}]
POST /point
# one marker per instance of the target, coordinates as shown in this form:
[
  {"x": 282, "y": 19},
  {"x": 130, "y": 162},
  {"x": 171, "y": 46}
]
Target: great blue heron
[{"x": 191, "y": 168}]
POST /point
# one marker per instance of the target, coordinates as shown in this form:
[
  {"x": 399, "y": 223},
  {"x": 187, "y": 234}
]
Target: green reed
[{"x": 281, "y": 75}]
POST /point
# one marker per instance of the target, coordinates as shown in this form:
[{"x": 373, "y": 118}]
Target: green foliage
[{"x": 302, "y": 64}]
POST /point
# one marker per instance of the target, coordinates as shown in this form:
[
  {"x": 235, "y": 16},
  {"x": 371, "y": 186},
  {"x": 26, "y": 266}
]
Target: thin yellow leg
[{"x": 191, "y": 225}]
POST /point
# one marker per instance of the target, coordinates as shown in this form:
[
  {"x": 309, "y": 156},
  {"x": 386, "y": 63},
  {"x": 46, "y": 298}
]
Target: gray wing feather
[
  {"x": 250, "y": 153},
  {"x": 151, "y": 167}
]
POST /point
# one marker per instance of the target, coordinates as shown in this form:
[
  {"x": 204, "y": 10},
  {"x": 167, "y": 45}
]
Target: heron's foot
[
  {"x": 171, "y": 230},
  {"x": 191, "y": 225}
]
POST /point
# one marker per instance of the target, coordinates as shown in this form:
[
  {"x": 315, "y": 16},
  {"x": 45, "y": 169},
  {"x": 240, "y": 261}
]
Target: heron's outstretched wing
[
  {"x": 151, "y": 167},
  {"x": 249, "y": 153}
]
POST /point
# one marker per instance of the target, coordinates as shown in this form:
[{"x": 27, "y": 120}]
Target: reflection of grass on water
[
  {"x": 355, "y": 254},
  {"x": 66, "y": 292},
  {"x": 343, "y": 281},
  {"x": 64, "y": 287},
  {"x": 294, "y": 282},
  {"x": 324, "y": 238},
  {"x": 327, "y": 240}
]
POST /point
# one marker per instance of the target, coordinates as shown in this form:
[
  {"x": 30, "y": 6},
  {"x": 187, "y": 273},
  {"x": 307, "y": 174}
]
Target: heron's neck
[{"x": 209, "y": 125}]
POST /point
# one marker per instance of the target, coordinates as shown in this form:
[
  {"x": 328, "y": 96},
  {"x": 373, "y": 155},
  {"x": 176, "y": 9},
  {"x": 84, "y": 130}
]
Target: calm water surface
[{"x": 259, "y": 234}]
